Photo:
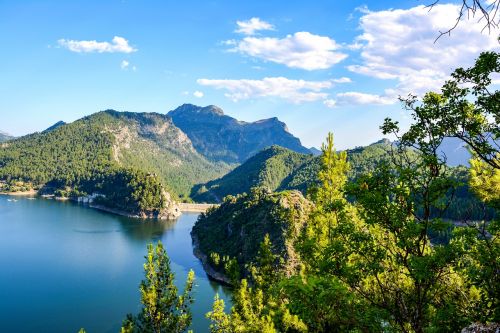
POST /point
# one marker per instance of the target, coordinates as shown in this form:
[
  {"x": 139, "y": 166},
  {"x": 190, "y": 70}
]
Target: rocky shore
[{"x": 211, "y": 272}]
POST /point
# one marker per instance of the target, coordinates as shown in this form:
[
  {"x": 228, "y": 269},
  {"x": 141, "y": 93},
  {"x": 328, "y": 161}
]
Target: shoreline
[
  {"x": 21, "y": 193},
  {"x": 33, "y": 193},
  {"x": 209, "y": 270}
]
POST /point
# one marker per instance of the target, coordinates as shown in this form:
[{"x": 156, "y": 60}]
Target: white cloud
[
  {"x": 124, "y": 64},
  {"x": 330, "y": 103},
  {"x": 295, "y": 91},
  {"x": 198, "y": 94},
  {"x": 400, "y": 44},
  {"x": 357, "y": 98},
  {"x": 118, "y": 44},
  {"x": 253, "y": 25},
  {"x": 301, "y": 50},
  {"x": 342, "y": 80}
]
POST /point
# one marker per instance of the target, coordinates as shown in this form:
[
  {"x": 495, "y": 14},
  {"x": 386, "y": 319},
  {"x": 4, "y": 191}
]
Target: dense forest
[
  {"x": 268, "y": 168},
  {"x": 231, "y": 234}
]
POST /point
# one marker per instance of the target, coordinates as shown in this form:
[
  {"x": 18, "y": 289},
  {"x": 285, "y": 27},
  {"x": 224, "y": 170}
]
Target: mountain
[
  {"x": 56, "y": 125},
  {"x": 455, "y": 152},
  {"x": 222, "y": 138},
  {"x": 268, "y": 168},
  {"x": 315, "y": 151},
  {"x": 72, "y": 153},
  {"x": 5, "y": 137},
  {"x": 280, "y": 169}
]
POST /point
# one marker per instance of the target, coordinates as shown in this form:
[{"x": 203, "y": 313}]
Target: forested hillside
[
  {"x": 370, "y": 260},
  {"x": 128, "y": 157},
  {"x": 278, "y": 168},
  {"x": 236, "y": 229},
  {"x": 268, "y": 168},
  {"x": 222, "y": 138}
]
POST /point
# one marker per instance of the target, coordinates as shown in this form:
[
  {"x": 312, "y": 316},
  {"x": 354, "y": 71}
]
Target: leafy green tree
[
  {"x": 259, "y": 307},
  {"x": 220, "y": 321},
  {"x": 468, "y": 108},
  {"x": 163, "y": 309}
]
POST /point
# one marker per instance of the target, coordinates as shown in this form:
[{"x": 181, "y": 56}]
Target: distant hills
[
  {"x": 188, "y": 146},
  {"x": 222, "y": 138},
  {"x": 5, "y": 136},
  {"x": 455, "y": 152},
  {"x": 269, "y": 168},
  {"x": 144, "y": 141},
  {"x": 56, "y": 125}
]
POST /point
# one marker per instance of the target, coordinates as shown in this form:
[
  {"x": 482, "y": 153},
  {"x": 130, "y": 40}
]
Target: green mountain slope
[
  {"x": 109, "y": 139},
  {"x": 278, "y": 168},
  {"x": 268, "y": 168},
  {"x": 222, "y": 138}
]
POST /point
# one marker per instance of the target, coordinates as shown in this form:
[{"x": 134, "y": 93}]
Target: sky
[{"x": 319, "y": 66}]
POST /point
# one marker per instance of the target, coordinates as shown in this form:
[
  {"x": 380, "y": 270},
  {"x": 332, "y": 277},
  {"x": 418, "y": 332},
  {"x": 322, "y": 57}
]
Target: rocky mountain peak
[
  {"x": 220, "y": 137},
  {"x": 195, "y": 109}
]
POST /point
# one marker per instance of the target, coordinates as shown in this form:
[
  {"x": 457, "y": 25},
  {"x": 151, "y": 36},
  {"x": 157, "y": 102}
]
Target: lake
[{"x": 66, "y": 266}]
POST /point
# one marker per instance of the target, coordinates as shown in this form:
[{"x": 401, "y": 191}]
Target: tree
[
  {"x": 486, "y": 11},
  {"x": 163, "y": 309},
  {"x": 468, "y": 109},
  {"x": 259, "y": 307}
]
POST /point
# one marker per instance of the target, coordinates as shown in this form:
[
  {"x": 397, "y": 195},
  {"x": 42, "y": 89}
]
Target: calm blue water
[{"x": 66, "y": 266}]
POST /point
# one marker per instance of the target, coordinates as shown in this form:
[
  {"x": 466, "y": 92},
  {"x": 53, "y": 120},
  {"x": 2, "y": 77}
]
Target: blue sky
[{"x": 319, "y": 66}]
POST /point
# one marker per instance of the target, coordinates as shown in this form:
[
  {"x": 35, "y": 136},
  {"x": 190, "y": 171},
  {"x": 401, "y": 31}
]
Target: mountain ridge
[{"x": 220, "y": 137}]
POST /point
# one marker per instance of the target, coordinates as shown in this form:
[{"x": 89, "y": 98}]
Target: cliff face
[
  {"x": 222, "y": 138},
  {"x": 237, "y": 227}
]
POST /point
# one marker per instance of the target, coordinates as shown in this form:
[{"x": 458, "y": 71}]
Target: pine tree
[{"x": 163, "y": 309}]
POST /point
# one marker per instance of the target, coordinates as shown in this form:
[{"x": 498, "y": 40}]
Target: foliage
[
  {"x": 163, "y": 309},
  {"x": 280, "y": 169},
  {"x": 240, "y": 224},
  {"x": 467, "y": 108}
]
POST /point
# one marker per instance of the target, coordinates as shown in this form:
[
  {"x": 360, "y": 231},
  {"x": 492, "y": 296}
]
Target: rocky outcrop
[{"x": 482, "y": 328}]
